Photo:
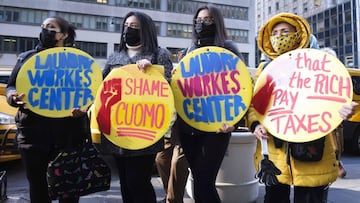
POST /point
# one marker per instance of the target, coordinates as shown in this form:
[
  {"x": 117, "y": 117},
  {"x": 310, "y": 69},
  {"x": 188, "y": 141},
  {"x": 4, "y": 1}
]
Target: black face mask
[
  {"x": 47, "y": 38},
  {"x": 131, "y": 36},
  {"x": 206, "y": 33}
]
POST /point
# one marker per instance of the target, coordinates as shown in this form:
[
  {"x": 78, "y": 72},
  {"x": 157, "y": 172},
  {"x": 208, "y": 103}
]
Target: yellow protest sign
[
  {"x": 211, "y": 86},
  {"x": 57, "y": 80},
  {"x": 134, "y": 109},
  {"x": 298, "y": 95}
]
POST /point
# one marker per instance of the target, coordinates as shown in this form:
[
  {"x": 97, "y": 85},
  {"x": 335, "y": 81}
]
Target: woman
[
  {"x": 310, "y": 179},
  {"x": 39, "y": 138},
  {"x": 205, "y": 150},
  {"x": 138, "y": 45}
]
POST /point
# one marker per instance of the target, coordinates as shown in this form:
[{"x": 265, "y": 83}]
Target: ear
[{"x": 65, "y": 35}]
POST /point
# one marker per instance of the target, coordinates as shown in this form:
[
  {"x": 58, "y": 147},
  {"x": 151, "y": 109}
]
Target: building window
[
  {"x": 89, "y": 22},
  {"x": 320, "y": 25},
  {"x": 246, "y": 58},
  {"x": 348, "y": 38},
  {"x": 334, "y": 42},
  {"x": 190, "y": 7},
  {"x": 98, "y": 50},
  {"x": 179, "y": 30},
  {"x": 333, "y": 22},
  {"x": 241, "y": 36},
  {"x": 11, "y": 44},
  {"x": 21, "y": 15},
  {"x": 347, "y": 16},
  {"x": 277, "y": 6}
]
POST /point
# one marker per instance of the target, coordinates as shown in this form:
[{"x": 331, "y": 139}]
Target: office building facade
[
  {"x": 99, "y": 22},
  {"x": 335, "y": 23}
]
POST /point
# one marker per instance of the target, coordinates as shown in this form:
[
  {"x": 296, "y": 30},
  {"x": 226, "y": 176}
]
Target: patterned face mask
[{"x": 284, "y": 43}]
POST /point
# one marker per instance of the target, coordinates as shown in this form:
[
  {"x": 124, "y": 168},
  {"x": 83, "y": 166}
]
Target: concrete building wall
[{"x": 110, "y": 37}]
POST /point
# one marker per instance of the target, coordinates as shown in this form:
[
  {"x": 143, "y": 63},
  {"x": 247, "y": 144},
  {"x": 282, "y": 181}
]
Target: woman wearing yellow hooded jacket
[{"x": 310, "y": 179}]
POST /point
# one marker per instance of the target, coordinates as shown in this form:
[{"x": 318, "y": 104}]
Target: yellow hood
[{"x": 301, "y": 25}]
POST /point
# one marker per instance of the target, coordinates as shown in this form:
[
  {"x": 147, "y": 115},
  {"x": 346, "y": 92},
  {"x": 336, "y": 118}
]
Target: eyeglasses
[
  {"x": 206, "y": 20},
  {"x": 50, "y": 28},
  {"x": 132, "y": 25}
]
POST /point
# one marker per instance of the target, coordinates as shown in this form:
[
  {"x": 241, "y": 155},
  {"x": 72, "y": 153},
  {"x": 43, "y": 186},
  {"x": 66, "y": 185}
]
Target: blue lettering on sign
[
  {"x": 60, "y": 81},
  {"x": 220, "y": 108},
  {"x": 209, "y": 62}
]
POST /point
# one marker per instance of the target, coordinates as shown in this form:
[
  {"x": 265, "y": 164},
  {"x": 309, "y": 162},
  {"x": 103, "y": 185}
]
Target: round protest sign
[
  {"x": 211, "y": 86},
  {"x": 57, "y": 80},
  {"x": 298, "y": 95},
  {"x": 134, "y": 109}
]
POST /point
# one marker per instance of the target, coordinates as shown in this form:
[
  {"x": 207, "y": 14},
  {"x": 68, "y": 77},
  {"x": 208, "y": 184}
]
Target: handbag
[
  {"x": 308, "y": 151},
  {"x": 77, "y": 172}
]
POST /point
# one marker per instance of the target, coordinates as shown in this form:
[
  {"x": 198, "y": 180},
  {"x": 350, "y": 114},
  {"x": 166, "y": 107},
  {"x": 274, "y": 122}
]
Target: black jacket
[{"x": 40, "y": 132}]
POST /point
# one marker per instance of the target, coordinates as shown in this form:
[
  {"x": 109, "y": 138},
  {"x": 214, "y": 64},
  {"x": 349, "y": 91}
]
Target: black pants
[
  {"x": 281, "y": 194},
  {"x": 135, "y": 178},
  {"x": 35, "y": 163},
  {"x": 205, "y": 154}
]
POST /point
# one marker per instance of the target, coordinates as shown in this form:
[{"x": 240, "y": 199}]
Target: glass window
[
  {"x": 16, "y": 15},
  {"x": 11, "y": 44},
  {"x": 348, "y": 38},
  {"x": 334, "y": 42},
  {"x": 92, "y": 24},
  {"x": 179, "y": 30},
  {"x": 320, "y": 26},
  {"x": 347, "y": 16},
  {"x": 333, "y": 20},
  {"x": 94, "y": 49},
  {"x": 348, "y": 49},
  {"x": 334, "y": 31},
  {"x": 8, "y": 16},
  {"x": 236, "y": 35},
  {"x": 246, "y": 58},
  {"x": 190, "y": 7}
]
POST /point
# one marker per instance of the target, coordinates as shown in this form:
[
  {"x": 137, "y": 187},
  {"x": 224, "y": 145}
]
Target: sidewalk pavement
[{"x": 345, "y": 190}]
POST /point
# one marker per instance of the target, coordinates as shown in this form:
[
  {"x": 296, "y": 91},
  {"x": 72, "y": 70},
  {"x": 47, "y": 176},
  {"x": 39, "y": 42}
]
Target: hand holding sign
[
  {"x": 134, "y": 108},
  {"x": 298, "y": 95},
  {"x": 212, "y": 89}
]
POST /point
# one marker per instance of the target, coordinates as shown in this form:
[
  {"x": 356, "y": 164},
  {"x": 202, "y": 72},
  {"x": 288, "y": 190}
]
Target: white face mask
[{"x": 285, "y": 43}]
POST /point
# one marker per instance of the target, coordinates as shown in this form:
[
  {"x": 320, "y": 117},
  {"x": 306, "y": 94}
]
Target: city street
[{"x": 345, "y": 190}]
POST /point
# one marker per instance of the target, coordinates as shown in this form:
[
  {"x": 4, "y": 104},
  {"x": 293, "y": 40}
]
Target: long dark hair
[
  {"x": 221, "y": 34},
  {"x": 148, "y": 36},
  {"x": 65, "y": 27}
]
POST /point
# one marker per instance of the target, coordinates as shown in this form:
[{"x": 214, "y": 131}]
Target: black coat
[{"x": 40, "y": 132}]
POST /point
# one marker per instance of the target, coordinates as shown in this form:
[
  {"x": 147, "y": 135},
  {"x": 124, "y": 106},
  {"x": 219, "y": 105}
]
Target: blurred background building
[
  {"x": 335, "y": 23},
  {"x": 99, "y": 23}
]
